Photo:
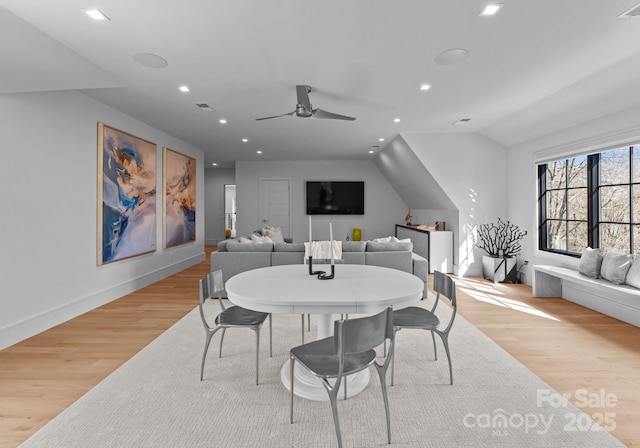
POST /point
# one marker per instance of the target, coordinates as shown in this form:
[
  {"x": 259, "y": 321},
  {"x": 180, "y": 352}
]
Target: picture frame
[
  {"x": 179, "y": 217},
  {"x": 127, "y": 186}
]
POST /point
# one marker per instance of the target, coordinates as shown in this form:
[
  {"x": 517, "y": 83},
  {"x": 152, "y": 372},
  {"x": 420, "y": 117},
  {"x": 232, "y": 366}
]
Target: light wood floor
[{"x": 576, "y": 351}]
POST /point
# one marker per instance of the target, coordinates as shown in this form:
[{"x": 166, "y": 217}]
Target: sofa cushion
[
  {"x": 590, "y": 262},
  {"x": 249, "y": 247},
  {"x": 222, "y": 245},
  {"x": 288, "y": 247},
  {"x": 385, "y": 247},
  {"x": 615, "y": 267},
  {"x": 354, "y": 246},
  {"x": 275, "y": 233}
]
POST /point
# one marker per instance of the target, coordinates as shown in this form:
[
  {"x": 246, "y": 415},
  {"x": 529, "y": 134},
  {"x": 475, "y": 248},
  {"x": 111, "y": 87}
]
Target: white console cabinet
[{"x": 434, "y": 245}]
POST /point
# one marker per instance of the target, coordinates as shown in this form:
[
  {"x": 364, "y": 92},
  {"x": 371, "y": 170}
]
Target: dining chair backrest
[
  {"x": 364, "y": 333},
  {"x": 211, "y": 285},
  {"x": 443, "y": 285}
]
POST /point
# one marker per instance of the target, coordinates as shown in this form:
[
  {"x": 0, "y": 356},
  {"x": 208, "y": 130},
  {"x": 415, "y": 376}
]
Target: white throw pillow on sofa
[
  {"x": 275, "y": 233},
  {"x": 260, "y": 239},
  {"x": 615, "y": 267}
]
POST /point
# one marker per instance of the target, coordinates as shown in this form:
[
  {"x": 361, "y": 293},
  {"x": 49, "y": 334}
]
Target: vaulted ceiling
[{"x": 533, "y": 68}]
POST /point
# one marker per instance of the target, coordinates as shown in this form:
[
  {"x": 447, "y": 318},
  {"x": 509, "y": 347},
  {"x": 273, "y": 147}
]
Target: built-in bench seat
[{"x": 619, "y": 301}]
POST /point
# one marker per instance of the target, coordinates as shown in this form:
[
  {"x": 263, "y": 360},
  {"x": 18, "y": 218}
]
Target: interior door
[{"x": 275, "y": 204}]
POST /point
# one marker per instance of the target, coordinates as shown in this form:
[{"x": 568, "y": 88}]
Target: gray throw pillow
[
  {"x": 590, "y": 262},
  {"x": 633, "y": 275},
  {"x": 615, "y": 267}
]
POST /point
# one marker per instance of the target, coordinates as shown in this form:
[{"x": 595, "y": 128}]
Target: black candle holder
[
  {"x": 324, "y": 276},
  {"x": 311, "y": 271}
]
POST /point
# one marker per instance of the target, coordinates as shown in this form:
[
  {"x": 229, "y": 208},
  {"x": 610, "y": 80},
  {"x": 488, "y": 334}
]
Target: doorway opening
[{"x": 230, "y": 211}]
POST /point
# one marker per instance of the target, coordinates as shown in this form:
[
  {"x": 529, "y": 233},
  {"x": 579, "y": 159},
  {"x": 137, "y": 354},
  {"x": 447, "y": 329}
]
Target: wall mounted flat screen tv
[{"x": 335, "y": 198}]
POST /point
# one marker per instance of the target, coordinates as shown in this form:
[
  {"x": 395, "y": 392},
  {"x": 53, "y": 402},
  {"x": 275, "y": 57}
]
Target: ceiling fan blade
[
  {"x": 319, "y": 113},
  {"x": 303, "y": 96},
  {"x": 276, "y": 116}
]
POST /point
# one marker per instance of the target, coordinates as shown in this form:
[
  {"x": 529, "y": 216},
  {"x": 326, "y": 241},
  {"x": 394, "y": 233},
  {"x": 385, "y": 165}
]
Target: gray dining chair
[
  {"x": 350, "y": 350},
  {"x": 211, "y": 287},
  {"x": 418, "y": 318}
]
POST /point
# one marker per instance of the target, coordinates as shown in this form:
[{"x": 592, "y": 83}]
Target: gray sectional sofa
[{"x": 234, "y": 257}]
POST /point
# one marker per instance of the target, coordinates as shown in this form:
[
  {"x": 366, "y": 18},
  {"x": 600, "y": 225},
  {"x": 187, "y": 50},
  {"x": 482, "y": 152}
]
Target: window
[{"x": 591, "y": 200}]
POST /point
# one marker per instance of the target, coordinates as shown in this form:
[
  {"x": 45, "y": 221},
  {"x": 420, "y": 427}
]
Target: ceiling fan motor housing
[{"x": 302, "y": 111}]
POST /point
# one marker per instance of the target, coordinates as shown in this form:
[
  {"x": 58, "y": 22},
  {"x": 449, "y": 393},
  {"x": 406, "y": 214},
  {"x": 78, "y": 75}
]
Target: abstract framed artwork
[
  {"x": 179, "y": 219},
  {"x": 127, "y": 185}
]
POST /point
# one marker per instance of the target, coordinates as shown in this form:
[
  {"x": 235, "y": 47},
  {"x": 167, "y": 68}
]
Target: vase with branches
[{"x": 502, "y": 241}]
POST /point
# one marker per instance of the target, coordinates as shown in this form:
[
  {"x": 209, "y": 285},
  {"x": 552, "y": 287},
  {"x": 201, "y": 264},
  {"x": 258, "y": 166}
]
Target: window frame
[{"x": 594, "y": 186}]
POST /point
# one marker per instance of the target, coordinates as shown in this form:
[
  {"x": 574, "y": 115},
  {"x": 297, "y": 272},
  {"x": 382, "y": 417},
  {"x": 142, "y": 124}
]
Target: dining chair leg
[
  {"x": 291, "y": 361},
  {"x": 445, "y": 342},
  {"x": 382, "y": 374},
  {"x": 302, "y": 315},
  {"x": 333, "y": 399},
  {"x": 204, "y": 355},
  {"x": 224, "y": 330},
  {"x": 435, "y": 350},
  {"x": 257, "y": 353},
  {"x": 393, "y": 359},
  {"x": 270, "y": 337},
  {"x": 308, "y": 322}
]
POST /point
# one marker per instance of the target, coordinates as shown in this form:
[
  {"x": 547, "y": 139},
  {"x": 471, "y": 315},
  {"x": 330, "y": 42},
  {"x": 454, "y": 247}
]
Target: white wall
[
  {"x": 472, "y": 170},
  {"x": 383, "y": 207},
  {"x": 604, "y": 132},
  {"x": 48, "y": 237},
  {"x": 214, "y": 181}
]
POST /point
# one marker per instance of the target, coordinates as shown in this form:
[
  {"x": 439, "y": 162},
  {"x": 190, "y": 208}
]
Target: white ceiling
[{"x": 535, "y": 67}]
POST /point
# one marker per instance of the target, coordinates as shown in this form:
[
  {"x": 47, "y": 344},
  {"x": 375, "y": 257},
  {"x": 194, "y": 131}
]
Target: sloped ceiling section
[
  {"x": 410, "y": 178},
  {"x": 34, "y": 62}
]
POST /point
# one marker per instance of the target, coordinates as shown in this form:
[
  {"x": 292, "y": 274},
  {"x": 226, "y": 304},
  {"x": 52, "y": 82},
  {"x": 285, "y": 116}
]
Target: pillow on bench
[
  {"x": 590, "y": 262},
  {"x": 633, "y": 275},
  {"x": 615, "y": 267}
]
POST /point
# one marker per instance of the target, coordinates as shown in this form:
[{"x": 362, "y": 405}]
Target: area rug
[{"x": 156, "y": 399}]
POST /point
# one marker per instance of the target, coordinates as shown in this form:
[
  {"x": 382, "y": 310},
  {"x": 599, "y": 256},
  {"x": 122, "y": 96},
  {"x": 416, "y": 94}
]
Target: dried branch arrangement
[{"x": 501, "y": 239}]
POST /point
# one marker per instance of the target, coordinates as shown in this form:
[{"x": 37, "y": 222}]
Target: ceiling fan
[{"x": 304, "y": 109}]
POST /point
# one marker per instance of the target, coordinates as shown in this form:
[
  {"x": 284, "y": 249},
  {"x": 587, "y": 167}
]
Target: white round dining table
[{"x": 355, "y": 289}]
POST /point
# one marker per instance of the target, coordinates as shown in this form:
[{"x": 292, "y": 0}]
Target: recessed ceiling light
[
  {"x": 453, "y": 56},
  {"x": 396, "y": 120},
  {"x": 96, "y": 14},
  {"x": 214, "y": 164},
  {"x": 258, "y": 152},
  {"x": 371, "y": 151},
  {"x": 223, "y": 121},
  {"x": 245, "y": 140},
  {"x": 380, "y": 139},
  {"x": 184, "y": 89},
  {"x": 425, "y": 87},
  {"x": 490, "y": 9}
]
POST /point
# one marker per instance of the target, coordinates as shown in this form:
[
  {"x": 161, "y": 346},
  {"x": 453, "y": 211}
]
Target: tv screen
[{"x": 335, "y": 198}]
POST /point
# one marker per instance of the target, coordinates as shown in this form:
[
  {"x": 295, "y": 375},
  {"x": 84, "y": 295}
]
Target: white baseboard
[{"x": 33, "y": 325}]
